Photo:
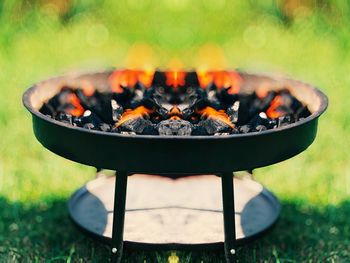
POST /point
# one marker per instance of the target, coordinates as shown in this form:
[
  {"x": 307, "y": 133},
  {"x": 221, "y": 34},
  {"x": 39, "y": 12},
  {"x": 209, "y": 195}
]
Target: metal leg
[
  {"x": 229, "y": 216},
  {"x": 118, "y": 216}
]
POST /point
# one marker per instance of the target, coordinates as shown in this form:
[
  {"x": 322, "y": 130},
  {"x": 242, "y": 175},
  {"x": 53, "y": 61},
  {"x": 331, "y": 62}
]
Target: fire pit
[{"x": 177, "y": 125}]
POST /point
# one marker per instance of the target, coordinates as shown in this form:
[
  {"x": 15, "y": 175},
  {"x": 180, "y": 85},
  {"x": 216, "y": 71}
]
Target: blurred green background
[{"x": 307, "y": 40}]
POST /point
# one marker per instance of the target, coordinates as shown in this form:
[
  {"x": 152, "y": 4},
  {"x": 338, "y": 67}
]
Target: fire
[
  {"x": 222, "y": 79},
  {"x": 273, "y": 112},
  {"x": 175, "y": 78},
  {"x": 146, "y": 77},
  {"x": 129, "y": 78},
  {"x": 263, "y": 90},
  {"x": 210, "y": 112},
  {"x": 77, "y": 109},
  {"x": 88, "y": 88},
  {"x": 129, "y": 114},
  {"x": 175, "y": 113}
]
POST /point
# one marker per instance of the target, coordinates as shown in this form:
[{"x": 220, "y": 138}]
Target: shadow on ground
[{"x": 42, "y": 231}]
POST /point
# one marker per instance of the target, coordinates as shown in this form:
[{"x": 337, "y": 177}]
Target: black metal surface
[
  {"x": 175, "y": 154},
  {"x": 228, "y": 216},
  {"x": 119, "y": 216}
]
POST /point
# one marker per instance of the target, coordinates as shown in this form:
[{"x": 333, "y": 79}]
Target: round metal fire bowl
[
  {"x": 169, "y": 220},
  {"x": 175, "y": 154}
]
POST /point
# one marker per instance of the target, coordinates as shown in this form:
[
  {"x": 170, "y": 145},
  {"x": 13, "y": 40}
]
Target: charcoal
[
  {"x": 190, "y": 90},
  {"x": 175, "y": 127},
  {"x": 225, "y": 98},
  {"x": 89, "y": 126},
  {"x": 65, "y": 117},
  {"x": 234, "y": 130},
  {"x": 191, "y": 99},
  {"x": 187, "y": 113},
  {"x": 201, "y": 104},
  {"x": 244, "y": 129},
  {"x": 260, "y": 128},
  {"x": 213, "y": 126},
  {"x": 199, "y": 130},
  {"x": 186, "y": 110},
  {"x": 117, "y": 111},
  {"x": 59, "y": 102},
  {"x": 151, "y": 130},
  {"x": 157, "y": 96},
  {"x": 124, "y": 98},
  {"x": 302, "y": 113},
  {"x": 232, "y": 112},
  {"x": 290, "y": 101},
  {"x": 262, "y": 119},
  {"x": 288, "y": 104},
  {"x": 148, "y": 103},
  {"x": 89, "y": 117},
  {"x": 62, "y": 97},
  {"x": 54, "y": 102},
  {"x": 212, "y": 95},
  {"x": 140, "y": 87},
  {"x": 285, "y": 110},
  {"x": 137, "y": 97},
  {"x": 246, "y": 111},
  {"x": 162, "y": 112},
  {"x": 84, "y": 100},
  {"x": 115, "y": 129},
  {"x": 264, "y": 103},
  {"x": 267, "y": 122},
  {"x": 148, "y": 93},
  {"x": 102, "y": 106},
  {"x": 47, "y": 109},
  {"x": 136, "y": 125},
  {"x": 284, "y": 120},
  {"x": 151, "y": 104},
  {"x": 200, "y": 93},
  {"x": 104, "y": 127},
  {"x": 259, "y": 123}
]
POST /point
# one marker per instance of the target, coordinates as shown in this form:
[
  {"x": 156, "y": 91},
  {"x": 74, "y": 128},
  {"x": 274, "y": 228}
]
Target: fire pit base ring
[{"x": 162, "y": 213}]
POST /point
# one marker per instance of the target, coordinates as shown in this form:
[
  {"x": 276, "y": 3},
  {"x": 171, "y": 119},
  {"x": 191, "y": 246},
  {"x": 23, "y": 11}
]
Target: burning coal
[{"x": 174, "y": 103}]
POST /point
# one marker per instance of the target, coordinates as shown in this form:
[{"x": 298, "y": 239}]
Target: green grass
[{"x": 35, "y": 184}]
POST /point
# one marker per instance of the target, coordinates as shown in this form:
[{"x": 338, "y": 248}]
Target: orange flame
[
  {"x": 273, "y": 112},
  {"x": 88, "y": 88},
  {"x": 263, "y": 90},
  {"x": 175, "y": 78},
  {"x": 210, "y": 112},
  {"x": 129, "y": 114},
  {"x": 175, "y": 113},
  {"x": 128, "y": 78},
  {"x": 222, "y": 79},
  {"x": 77, "y": 109},
  {"x": 262, "y": 93}
]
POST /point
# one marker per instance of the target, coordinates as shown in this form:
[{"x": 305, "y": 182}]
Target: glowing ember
[
  {"x": 77, "y": 109},
  {"x": 221, "y": 79},
  {"x": 209, "y": 112},
  {"x": 273, "y": 111},
  {"x": 128, "y": 78},
  {"x": 88, "y": 88},
  {"x": 175, "y": 78},
  {"x": 175, "y": 113},
  {"x": 172, "y": 103},
  {"x": 129, "y": 114}
]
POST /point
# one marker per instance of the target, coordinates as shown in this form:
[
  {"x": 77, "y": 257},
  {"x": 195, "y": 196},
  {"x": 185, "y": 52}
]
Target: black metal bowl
[{"x": 175, "y": 154}]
